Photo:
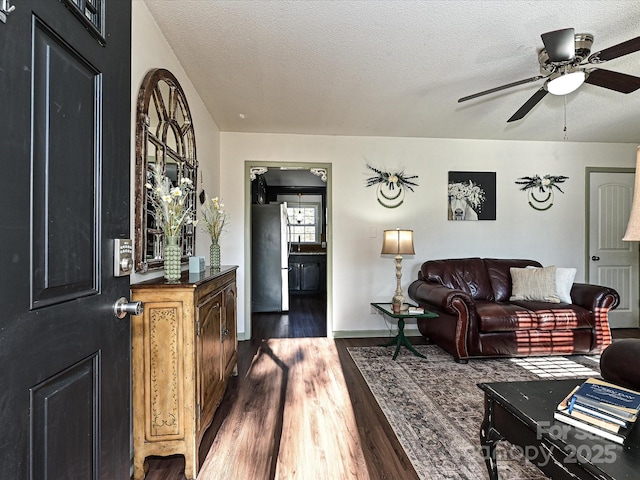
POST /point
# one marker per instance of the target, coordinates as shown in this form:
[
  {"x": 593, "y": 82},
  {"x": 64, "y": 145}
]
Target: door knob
[
  {"x": 595, "y": 258},
  {"x": 122, "y": 307}
]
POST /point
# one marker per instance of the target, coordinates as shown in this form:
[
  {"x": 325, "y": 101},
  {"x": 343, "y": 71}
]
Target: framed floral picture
[{"x": 471, "y": 196}]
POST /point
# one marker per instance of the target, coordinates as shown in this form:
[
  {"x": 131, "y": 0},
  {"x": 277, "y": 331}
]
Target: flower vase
[
  {"x": 172, "y": 258},
  {"x": 214, "y": 254}
]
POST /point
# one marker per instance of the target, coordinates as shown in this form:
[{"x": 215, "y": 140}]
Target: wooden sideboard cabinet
[{"x": 184, "y": 349}]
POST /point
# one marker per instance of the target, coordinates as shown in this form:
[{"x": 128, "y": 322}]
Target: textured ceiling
[{"x": 397, "y": 68}]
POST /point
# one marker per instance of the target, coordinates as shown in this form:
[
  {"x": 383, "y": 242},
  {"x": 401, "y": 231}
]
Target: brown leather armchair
[{"x": 477, "y": 319}]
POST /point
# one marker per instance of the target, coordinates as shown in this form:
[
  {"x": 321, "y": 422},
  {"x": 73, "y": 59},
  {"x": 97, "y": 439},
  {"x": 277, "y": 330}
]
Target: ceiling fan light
[{"x": 566, "y": 83}]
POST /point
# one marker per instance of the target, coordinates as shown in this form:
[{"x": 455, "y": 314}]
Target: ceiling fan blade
[
  {"x": 528, "y": 105},
  {"x": 502, "y": 87},
  {"x": 560, "y": 44},
  {"x": 620, "y": 82},
  {"x": 616, "y": 51}
]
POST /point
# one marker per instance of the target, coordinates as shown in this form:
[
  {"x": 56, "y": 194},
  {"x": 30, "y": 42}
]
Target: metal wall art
[
  {"x": 540, "y": 190},
  {"x": 471, "y": 196},
  {"x": 391, "y": 186}
]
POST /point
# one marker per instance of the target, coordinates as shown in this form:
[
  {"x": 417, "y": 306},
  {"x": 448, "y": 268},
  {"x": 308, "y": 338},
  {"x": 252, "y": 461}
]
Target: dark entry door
[{"x": 65, "y": 155}]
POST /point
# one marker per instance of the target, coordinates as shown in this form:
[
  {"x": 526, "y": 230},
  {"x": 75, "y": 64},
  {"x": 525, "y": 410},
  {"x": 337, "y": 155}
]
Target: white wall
[
  {"x": 150, "y": 50},
  {"x": 360, "y": 274}
]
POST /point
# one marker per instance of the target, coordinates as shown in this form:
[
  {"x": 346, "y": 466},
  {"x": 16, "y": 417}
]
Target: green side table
[{"x": 400, "y": 339}]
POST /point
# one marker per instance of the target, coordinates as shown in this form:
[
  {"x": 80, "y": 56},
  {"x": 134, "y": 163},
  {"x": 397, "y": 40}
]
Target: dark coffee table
[{"x": 522, "y": 413}]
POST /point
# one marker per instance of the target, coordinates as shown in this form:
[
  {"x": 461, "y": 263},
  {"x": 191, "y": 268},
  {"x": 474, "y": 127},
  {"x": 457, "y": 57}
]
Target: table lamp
[
  {"x": 398, "y": 242},
  {"x": 633, "y": 227}
]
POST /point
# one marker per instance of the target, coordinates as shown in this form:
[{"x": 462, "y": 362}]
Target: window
[{"x": 304, "y": 224}]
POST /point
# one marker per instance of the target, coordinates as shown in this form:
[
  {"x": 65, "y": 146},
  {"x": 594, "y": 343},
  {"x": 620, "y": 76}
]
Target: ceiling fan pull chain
[{"x": 565, "y": 119}]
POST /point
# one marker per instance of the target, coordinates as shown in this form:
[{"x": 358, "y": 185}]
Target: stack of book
[{"x": 601, "y": 408}]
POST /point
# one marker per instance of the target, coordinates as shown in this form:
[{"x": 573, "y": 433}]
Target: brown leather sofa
[{"x": 477, "y": 319}]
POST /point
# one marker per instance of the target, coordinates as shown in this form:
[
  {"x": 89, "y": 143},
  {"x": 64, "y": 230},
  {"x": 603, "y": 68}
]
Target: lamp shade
[
  {"x": 633, "y": 227},
  {"x": 398, "y": 242}
]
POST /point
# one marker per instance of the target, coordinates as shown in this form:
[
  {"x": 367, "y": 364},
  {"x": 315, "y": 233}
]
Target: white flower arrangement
[
  {"x": 542, "y": 183},
  {"x": 214, "y": 217},
  {"x": 170, "y": 203},
  {"x": 391, "y": 179},
  {"x": 468, "y": 191}
]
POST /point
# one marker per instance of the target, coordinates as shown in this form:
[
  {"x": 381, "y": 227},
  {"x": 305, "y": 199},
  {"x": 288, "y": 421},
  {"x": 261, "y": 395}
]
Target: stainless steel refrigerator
[{"x": 269, "y": 258}]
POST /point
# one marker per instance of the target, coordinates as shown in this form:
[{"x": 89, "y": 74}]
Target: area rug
[{"x": 435, "y": 407}]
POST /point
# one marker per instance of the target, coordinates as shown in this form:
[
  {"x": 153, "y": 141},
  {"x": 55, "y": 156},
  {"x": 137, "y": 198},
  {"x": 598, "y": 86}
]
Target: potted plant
[
  {"x": 396, "y": 304},
  {"x": 173, "y": 211},
  {"x": 215, "y": 218}
]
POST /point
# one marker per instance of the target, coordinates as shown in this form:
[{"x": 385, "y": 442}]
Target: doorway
[
  {"x": 297, "y": 302},
  {"x": 610, "y": 261}
]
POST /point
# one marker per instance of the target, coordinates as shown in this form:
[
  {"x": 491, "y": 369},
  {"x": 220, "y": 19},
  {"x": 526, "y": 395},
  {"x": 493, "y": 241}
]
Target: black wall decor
[{"x": 471, "y": 196}]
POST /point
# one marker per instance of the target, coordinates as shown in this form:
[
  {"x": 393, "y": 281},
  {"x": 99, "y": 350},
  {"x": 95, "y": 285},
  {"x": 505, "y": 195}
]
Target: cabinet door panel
[
  {"x": 228, "y": 328},
  {"x": 310, "y": 277},
  {"x": 209, "y": 352},
  {"x": 294, "y": 276},
  {"x": 163, "y": 363}
]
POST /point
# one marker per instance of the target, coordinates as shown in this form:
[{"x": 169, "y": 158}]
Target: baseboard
[{"x": 631, "y": 324}]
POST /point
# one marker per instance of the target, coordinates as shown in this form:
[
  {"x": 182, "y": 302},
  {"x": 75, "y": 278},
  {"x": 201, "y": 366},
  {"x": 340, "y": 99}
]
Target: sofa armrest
[
  {"x": 455, "y": 304},
  {"x": 438, "y": 296},
  {"x": 594, "y": 296},
  {"x": 598, "y": 300}
]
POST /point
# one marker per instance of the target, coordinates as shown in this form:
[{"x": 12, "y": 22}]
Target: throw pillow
[
  {"x": 564, "y": 282},
  {"x": 538, "y": 284}
]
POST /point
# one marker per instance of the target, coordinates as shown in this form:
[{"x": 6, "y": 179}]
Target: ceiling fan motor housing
[{"x": 583, "y": 42}]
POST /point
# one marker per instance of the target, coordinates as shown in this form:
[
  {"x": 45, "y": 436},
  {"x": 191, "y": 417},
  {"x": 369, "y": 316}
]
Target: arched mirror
[{"x": 164, "y": 138}]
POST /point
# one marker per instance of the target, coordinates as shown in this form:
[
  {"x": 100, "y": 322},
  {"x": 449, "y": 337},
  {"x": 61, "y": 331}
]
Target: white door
[{"x": 611, "y": 261}]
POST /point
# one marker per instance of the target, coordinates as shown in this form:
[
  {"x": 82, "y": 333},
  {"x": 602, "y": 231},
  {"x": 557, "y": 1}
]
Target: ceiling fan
[{"x": 566, "y": 63}]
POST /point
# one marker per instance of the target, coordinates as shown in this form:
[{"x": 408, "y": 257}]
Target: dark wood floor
[
  {"x": 307, "y": 317},
  {"x": 373, "y": 452}
]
